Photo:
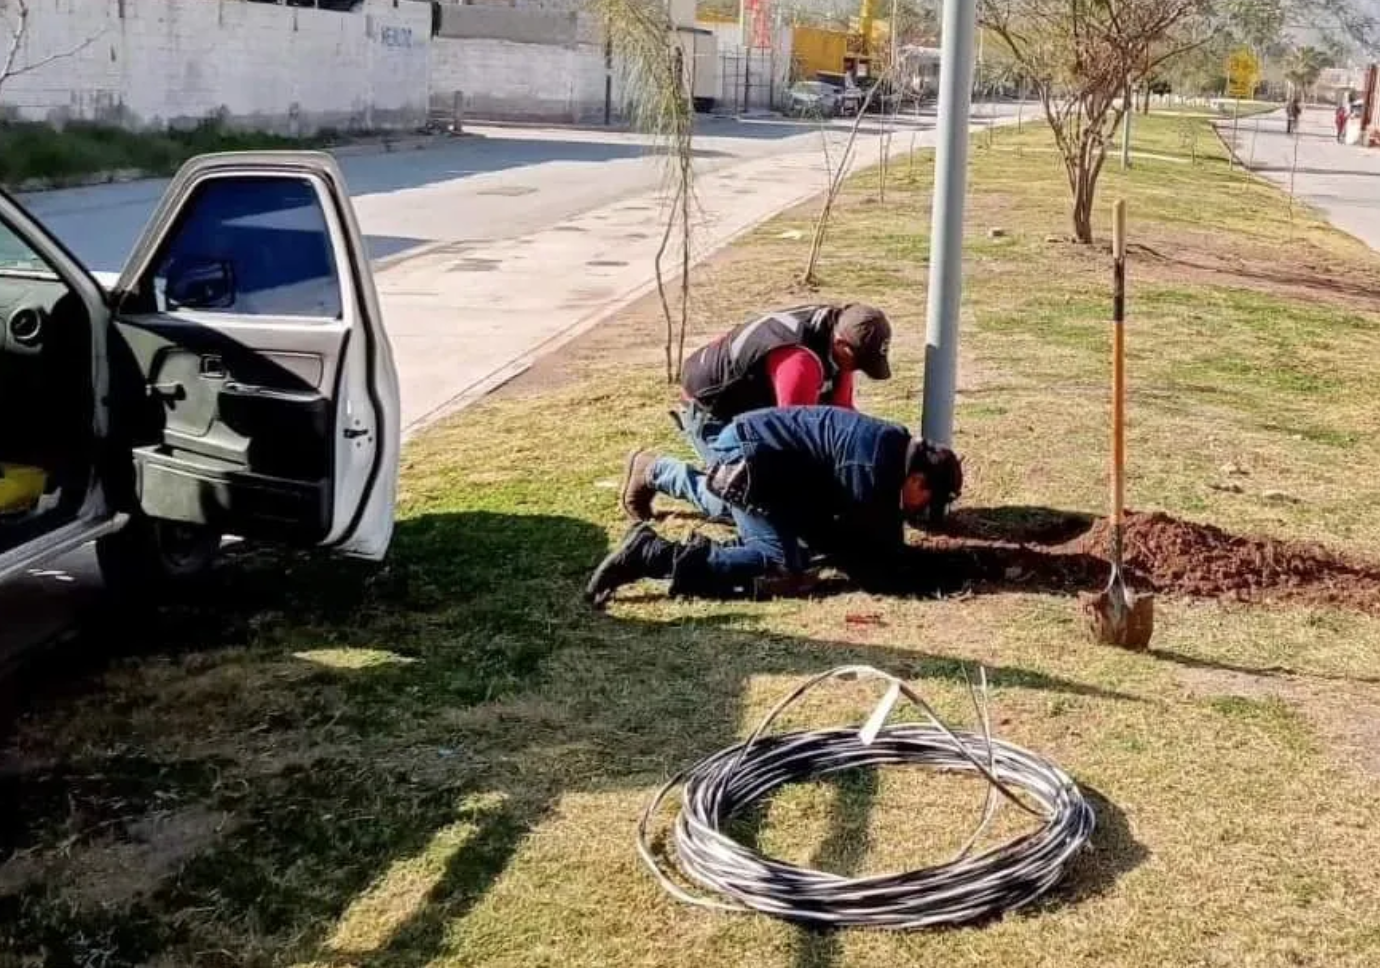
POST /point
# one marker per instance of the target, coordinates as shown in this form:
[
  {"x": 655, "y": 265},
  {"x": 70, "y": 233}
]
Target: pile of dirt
[
  {"x": 1051, "y": 552},
  {"x": 1203, "y": 561}
]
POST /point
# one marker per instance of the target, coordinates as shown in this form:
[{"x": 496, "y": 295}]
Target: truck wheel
[{"x": 149, "y": 560}]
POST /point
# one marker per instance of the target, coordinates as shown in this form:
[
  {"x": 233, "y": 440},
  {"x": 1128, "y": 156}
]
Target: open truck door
[{"x": 259, "y": 396}]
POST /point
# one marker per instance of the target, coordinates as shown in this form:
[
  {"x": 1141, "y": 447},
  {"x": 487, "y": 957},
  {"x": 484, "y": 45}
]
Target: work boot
[
  {"x": 638, "y": 492},
  {"x": 641, "y": 554},
  {"x": 691, "y": 576}
]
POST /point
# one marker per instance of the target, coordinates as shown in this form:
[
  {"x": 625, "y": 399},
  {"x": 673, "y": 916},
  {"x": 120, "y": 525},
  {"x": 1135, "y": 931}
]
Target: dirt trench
[{"x": 1052, "y": 551}]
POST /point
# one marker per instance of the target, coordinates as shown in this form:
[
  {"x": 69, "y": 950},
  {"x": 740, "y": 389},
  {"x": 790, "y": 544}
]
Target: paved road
[
  {"x": 1343, "y": 181},
  {"x": 501, "y": 183}
]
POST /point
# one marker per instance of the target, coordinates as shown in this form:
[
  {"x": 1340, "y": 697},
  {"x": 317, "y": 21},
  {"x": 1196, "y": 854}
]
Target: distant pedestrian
[
  {"x": 1292, "y": 111},
  {"x": 1343, "y": 112}
]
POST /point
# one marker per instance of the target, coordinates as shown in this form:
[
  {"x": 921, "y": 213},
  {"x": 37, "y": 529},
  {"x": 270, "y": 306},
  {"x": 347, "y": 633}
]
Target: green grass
[
  {"x": 30, "y": 151},
  {"x": 441, "y": 761}
]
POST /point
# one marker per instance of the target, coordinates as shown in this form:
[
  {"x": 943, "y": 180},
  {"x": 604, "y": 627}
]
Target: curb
[{"x": 620, "y": 127}]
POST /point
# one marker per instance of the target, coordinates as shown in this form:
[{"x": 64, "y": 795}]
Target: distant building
[
  {"x": 919, "y": 70},
  {"x": 1336, "y": 83}
]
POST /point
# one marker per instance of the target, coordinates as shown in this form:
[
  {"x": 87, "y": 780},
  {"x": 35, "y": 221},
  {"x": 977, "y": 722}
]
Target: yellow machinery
[
  {"x": 859, "y": 57},
  {"x": 816, "y": 51},
  {"x": 819, "y": 51}
]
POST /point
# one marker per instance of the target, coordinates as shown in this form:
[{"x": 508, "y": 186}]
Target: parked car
[
  {"x": 886, "y": 99},
  {"x": 815, "y": 99},
  {"x": 234, "y": 379},
  {"x": 846, "y": 89}
]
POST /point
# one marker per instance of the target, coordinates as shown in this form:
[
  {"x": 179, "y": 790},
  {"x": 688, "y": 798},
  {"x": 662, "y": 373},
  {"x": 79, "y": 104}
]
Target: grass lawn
[
  {"x": 441, "y": 762},
  {"x": 31, "y": 151}
]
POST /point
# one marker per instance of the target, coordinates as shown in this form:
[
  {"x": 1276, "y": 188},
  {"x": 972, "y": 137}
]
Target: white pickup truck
[{"x": 234, "y": 379}]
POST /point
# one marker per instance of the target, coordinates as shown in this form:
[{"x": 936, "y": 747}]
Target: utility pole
[
  {"x": 891, "y": 29},
  {"x": 608, "y": 78},
  {"x": 946, "y": 221}
]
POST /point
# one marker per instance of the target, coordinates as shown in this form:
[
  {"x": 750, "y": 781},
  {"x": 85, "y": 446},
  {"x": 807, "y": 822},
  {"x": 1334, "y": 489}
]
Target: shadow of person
[
  {"x": 490, "y": 691},
  {"x": 1018, "y": 524}
]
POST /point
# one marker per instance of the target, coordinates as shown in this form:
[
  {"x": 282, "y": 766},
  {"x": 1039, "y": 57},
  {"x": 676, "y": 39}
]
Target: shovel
[{"x": 1117, "y": 615}]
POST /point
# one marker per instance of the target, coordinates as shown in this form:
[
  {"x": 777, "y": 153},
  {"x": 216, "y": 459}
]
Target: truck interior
[{"x": 46, "y": 396}]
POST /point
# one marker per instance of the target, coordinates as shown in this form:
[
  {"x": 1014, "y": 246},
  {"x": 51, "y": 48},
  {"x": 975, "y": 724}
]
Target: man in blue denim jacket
[{"x": 798, "y": 481}]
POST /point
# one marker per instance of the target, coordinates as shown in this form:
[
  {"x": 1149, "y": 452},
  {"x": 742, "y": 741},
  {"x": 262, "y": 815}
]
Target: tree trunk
[
  {"x": 1084, "y": 192},
  {"x": 1082, "y": 213}
]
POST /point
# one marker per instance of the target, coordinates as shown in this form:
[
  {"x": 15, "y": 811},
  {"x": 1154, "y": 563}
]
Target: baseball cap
[{"x": 867, "y": 330}]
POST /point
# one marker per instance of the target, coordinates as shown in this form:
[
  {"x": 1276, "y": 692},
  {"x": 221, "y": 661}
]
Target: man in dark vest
[
  {"x": 795, "y": 357},
  {"x": 800, "y": 481}
]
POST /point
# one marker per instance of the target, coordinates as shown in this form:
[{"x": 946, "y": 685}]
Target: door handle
[{"x": 165, "y": 391}]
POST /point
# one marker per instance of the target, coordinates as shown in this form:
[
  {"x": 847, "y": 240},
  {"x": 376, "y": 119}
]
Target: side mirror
[{"x": 200, "y": 284}]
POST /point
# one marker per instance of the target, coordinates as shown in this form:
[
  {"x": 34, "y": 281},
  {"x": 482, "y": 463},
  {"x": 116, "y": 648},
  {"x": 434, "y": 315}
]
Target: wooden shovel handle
[{"x": 1118, "y": 362}]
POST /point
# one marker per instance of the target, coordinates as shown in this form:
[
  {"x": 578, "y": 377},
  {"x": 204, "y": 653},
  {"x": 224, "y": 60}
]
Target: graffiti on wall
[
  {"x": 757, "y": 14},
  {"x": 395, "y": 36}
]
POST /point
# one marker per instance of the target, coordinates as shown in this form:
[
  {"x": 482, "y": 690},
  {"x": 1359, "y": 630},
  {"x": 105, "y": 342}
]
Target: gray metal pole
[
  {"x": 608, "y": 79},
  {"x": 946, "y": 221}
]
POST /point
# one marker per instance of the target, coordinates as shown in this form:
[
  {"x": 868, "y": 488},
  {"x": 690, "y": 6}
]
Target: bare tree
[
  {"x": 836, "y": 177},
  {"x": 15, "y": 15},
  {"x": 657, "y": 85},
  {"x": 1080, "y": 57}
]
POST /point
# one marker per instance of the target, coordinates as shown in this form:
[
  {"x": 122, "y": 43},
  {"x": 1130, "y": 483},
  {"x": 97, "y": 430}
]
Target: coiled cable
[{"x": 968, "y": 888}]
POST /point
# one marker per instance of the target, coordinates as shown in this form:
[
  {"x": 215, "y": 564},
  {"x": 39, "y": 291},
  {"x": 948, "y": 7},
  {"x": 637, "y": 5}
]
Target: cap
[{"x": 868, "y": 332}]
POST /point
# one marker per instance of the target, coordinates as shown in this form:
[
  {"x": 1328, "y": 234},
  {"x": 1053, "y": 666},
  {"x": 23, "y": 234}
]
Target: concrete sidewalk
[
  {"x": 1343, "y": 181},
  {"x": 465, "y": 318}
]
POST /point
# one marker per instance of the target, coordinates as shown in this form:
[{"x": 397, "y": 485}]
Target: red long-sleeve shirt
[{"x": 797, "y": 376}]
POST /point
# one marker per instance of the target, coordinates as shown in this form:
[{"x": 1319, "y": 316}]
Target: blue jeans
[
  {"x": 680, "y": 479},
  {"x": 763, "y": 546}
]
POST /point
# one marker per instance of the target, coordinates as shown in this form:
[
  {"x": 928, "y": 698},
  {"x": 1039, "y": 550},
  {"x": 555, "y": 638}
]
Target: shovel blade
[{"x": 1117, "y": 616}]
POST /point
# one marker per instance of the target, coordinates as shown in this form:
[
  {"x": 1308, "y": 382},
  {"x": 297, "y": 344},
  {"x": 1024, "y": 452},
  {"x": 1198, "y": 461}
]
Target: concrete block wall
[
  {"x": 506, "y": 80},
  {"x": 534, "y": 60},
  {"x": 153, "y": 63}
]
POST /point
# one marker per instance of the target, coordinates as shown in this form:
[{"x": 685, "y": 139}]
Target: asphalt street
[
  {"x": 495, "y": 183},
  {"x": 1340, "y": 181}
]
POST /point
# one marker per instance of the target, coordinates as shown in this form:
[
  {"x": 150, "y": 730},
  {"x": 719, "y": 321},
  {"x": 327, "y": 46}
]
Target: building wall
[
  {"x": 507, "y": 80},
  {"x": 756, "y": 79},
  {"x": 536, "y": 60},
  {"x": 156, "y": 63},
  {"x": 175, "y": 62}
]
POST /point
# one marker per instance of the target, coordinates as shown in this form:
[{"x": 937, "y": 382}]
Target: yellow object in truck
[{"x": 21, "y": 487}]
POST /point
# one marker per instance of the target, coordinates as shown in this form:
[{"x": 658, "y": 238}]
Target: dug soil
[{"x": 1050, "y": 551}]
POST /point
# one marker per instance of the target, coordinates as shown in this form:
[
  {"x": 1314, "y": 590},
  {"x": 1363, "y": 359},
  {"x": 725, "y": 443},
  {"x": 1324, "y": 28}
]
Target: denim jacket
[{"x": 832, "y": 475}]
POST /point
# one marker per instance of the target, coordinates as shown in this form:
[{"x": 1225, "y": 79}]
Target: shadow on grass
[
  {"x": 487, "y": 691},
  {"x": 1280, "y": 275},
  {"x": 843, "y": 850},
  {"x": 1111, "y": 851},
  {"x": 1260, "y": 672}
]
